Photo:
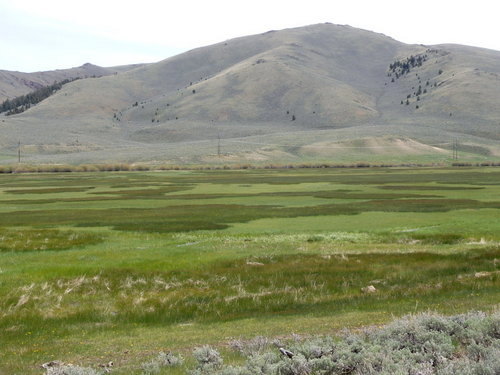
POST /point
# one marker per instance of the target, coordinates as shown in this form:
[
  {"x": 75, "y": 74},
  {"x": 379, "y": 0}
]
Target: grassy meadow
[{"x": 99, "y": 267}]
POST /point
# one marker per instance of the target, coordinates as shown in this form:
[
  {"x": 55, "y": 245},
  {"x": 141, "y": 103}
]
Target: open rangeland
[{"x": 100, "y": 267}]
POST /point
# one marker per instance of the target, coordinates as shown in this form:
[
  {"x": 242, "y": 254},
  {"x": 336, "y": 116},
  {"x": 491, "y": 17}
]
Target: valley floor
[{"x": 120, "y": 266}]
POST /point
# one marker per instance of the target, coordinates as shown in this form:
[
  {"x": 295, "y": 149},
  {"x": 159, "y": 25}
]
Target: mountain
[
  {"x": 314, "y": 93},
  {"x": 13, "y": 84}
]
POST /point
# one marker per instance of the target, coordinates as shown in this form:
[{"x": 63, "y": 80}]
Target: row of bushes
[
  {"x": 481, "y": 164},
  {"x": 61, "y": 168}
]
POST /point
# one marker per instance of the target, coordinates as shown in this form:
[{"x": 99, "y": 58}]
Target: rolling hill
[
  {"x": 13, "y": 84},
  {"x": 315, "y": 93}
]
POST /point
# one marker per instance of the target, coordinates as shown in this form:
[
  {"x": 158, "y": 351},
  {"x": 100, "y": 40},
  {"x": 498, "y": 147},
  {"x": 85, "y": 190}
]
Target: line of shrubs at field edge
[{"x": 48, "y": 168}]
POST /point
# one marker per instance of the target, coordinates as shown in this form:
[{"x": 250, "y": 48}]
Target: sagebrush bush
[
  {"x": 208, "y": 360},
  {"x": 424, "y": 344},
  {"x": 73, "y": 370},
  {"x": 262, "y": 363},
  {"x": 162, "y": 360}
]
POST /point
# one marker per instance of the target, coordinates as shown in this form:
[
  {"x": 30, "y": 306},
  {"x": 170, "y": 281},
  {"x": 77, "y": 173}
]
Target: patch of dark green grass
[
  {"x": 161, "y": 193},
  {"x": 159, "y": 181},
  {"x": 151, "y": 193},
  {"x": 118, "y": 195},
  {"x": 30, "y": 202},
  {"x": 430, "y": 238},
  {"x": 219, "y": 216},
  {"x": 342, "y": 195},
  {"x": 40, "y": 180},
  {"x": 327, "y": 194},
  {"x": 349, "y": 177},
  {"x": 53, "y": 190},
  {"x": 275, "y": 177},
  {"x": 427, "y": 187},
  {"x": 167, "y": 226},
  {"x": 422, "y": 205},
  {"x": 109, "y": 179}
]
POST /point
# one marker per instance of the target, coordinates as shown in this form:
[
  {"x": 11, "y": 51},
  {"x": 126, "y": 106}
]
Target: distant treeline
[{"x": 22, "y": 103}]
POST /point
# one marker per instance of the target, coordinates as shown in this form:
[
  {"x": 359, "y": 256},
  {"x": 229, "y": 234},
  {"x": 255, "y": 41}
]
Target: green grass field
[{"x": 118, "y": 266}]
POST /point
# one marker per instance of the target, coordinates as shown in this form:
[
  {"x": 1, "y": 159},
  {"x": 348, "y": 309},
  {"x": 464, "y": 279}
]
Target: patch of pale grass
[
  {"x": 22, "y": 300},
  {"x": 45, "y": 298},
  {"x": 64, "y": 296},
  {"x": 340, "y": 237}
]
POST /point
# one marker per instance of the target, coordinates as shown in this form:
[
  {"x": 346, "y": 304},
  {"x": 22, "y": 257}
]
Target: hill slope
[
  {"x": 285, "y": 95},
  {"x": 14, "y": 84}
]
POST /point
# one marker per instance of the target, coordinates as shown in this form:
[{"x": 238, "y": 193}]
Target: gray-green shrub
[
  {"x": 162, "y": 360},
  {"x": 208, "y": 360},
  {"x": 73, "y": 370},
  {"x": 425, "y": 344}
]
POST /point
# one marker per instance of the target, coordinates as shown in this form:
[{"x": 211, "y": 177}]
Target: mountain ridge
[
  {"x": 15, "y": 83},
  {"x": 304, "y": 81}
]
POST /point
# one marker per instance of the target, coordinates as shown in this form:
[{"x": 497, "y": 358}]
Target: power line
[{"x": 455, "y": 149}]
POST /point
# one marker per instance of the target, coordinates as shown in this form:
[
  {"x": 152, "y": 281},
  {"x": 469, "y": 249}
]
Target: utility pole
[
  {"x": 19, "y": 152},
  {"x": 218, "y": 145},
  {"x": 455, "y": 149}
]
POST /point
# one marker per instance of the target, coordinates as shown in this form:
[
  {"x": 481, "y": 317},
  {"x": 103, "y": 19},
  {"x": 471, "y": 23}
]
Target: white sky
[{"x": 53, "y": 34}]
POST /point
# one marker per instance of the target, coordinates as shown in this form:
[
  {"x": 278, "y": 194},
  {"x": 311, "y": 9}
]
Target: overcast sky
[{"x": 53, "y": 34}]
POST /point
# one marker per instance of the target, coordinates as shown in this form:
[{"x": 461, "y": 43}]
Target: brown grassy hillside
[{"x": 277, "y": 96}]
